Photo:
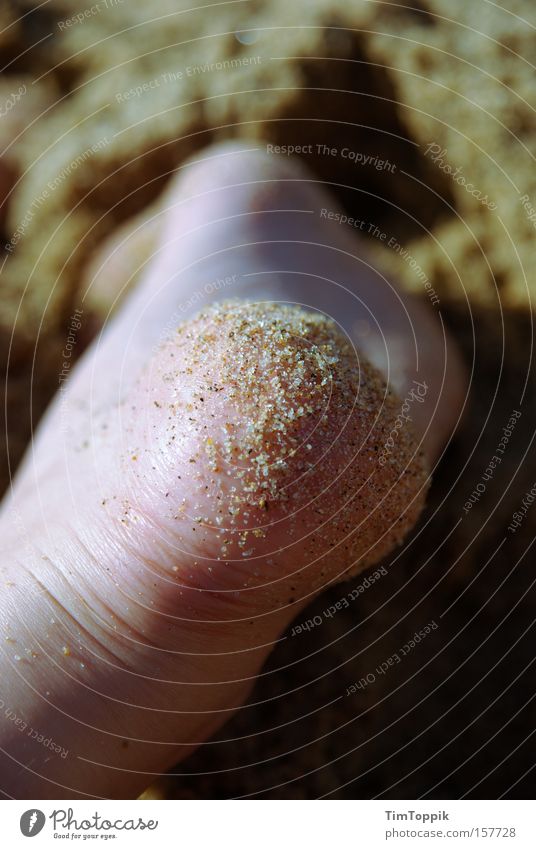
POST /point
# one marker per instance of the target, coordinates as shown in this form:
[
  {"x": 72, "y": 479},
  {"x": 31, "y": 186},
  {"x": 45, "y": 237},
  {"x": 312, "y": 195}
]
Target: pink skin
[{"x": 132, "y": 652}]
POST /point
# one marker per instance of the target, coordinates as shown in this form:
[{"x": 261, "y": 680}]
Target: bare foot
[{"x": 222, "y": 453}]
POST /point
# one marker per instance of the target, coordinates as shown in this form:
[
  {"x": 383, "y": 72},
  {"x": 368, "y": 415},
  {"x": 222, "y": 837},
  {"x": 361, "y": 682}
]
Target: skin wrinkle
[
  {"x": 76, "y": 624},
  {"x": 81, "y": 614}
]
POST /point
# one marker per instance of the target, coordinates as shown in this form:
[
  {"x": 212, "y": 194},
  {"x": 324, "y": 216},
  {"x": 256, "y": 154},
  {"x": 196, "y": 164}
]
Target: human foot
[{"x": 194, "y": 488}]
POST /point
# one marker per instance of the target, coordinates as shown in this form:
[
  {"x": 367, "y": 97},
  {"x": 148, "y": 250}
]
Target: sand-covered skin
[
  {"x": 232, "y": 478},
  {"x": 202, "y": 82},
  {"x": 384, "y": 80},
  {"x": 278, "y": 425}
]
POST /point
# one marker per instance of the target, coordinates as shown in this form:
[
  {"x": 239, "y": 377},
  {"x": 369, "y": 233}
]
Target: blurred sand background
[{"x": 99, "y": 104}]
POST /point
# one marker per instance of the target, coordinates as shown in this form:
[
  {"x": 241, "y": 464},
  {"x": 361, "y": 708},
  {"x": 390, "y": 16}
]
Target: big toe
[
  {"x": 267, "y": 458},
  {"x": 198, "y": 481}
]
